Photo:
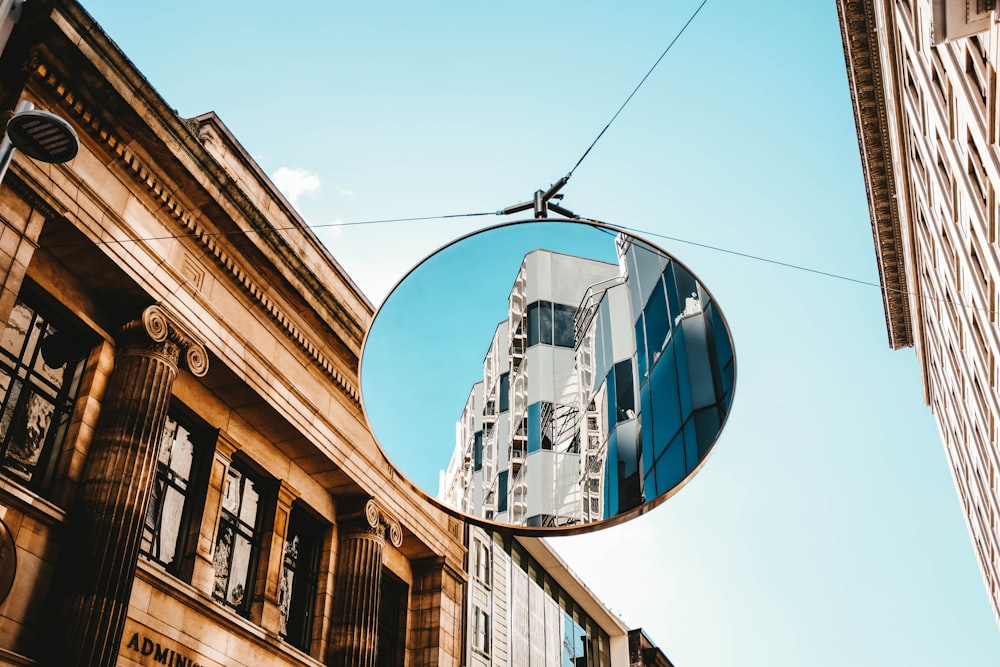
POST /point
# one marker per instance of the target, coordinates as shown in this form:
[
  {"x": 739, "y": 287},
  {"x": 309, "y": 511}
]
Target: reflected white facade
[{"x": 561, "y": 428}]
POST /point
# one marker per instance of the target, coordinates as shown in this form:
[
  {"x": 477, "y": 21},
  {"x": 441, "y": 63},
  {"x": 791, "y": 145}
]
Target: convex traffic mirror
[{"x": 548, "y": 376}]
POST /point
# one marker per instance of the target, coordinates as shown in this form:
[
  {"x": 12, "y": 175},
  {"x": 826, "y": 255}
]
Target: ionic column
[
  {"x": 106, "y": 526},
  {"x": 354, "y": 634}
]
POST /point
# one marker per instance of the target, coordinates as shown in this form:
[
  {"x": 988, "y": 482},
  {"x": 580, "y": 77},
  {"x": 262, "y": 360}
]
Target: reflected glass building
[{"x": 605, "y": 387}]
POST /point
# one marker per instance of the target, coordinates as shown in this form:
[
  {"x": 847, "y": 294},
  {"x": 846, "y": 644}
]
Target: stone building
[
  {"x": 922, "y": 76},
  {"x": 187, "y": 476}
]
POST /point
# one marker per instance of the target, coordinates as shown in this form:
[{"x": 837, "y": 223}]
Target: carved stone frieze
[
  {"x": 118, "y": 150},
  {"x": 867, "y": 85}
]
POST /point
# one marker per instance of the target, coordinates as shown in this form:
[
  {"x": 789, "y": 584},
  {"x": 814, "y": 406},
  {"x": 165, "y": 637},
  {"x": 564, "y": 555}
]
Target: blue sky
[{"x": 825, "y": 529}]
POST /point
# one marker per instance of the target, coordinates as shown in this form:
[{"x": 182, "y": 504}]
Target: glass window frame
[
  {"x": 192, "y": 490},
  {"x": 240, "y": 529},
  {"x": 301, "y": 557},
  {"x": 26, "y": 380}
]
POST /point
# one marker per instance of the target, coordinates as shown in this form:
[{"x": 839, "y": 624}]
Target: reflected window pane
[
  {"x": 545, "y": 322},
  {"x": 657, "y": 324},
  {"x": 169, "y": 513},
  {"x": 39, "y": 373},
  {"x": 300, "y": 577},
  {"x": 563, "y": 317},
  {"x": 533, "y": 335},
  {"x": 238, "y": 542},
  {"x": 624, "y": 391},
  {"x": 670, "y": 466},
  {"x": 534, "y": 427},
  {"x": 504, "y": 392}
]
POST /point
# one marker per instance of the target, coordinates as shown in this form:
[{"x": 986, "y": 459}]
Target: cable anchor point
[{"x": 542, "y": 203}]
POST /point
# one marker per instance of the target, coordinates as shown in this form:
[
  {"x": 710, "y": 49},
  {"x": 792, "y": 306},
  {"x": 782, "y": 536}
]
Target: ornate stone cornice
[
  {"x": 373, "y": 518},
  {"x": 867, "y": 84},
  {"x": 160, "y": 327},
  {"x": 156, "y": 187}
]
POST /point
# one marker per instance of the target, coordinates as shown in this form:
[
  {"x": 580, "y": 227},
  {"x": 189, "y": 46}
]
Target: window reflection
[
  {"x": 40, "y": 369},
  {"x": 299, "y": 579},
  {"x": 236, "y": 544},
  {"x": 169, "y": 509}
]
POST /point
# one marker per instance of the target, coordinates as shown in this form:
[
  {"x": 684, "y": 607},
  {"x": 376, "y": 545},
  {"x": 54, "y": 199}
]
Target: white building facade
[{"x": 604, "y": 388}]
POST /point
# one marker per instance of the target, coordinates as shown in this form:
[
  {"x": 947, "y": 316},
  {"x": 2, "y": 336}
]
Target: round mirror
[{"x": 548, "y": 376}]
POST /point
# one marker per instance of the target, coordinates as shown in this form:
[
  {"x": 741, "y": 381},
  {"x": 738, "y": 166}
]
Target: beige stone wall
[{"x": 147, "y": 213}]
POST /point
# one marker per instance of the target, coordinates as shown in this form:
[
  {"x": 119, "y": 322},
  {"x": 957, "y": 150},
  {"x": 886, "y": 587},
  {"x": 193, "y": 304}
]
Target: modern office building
[
  {"x": 525, "y": 607},
  {"x": 604, "y": 388},
  {"x": 922, "y": 78},
  {"x": 186, "y": 475}
]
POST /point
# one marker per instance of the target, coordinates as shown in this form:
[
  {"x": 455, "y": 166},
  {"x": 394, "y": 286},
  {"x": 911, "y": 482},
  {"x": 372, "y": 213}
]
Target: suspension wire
[
  {"x": 239, "y": 232},
  {"x": 636, "y": 89},
  {"x": 798, "y": 267}
]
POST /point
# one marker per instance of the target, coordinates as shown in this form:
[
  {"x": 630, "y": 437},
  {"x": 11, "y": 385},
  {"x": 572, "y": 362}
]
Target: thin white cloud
[
  {"x": 294, "y": 183},
  {"x": 345, "y": 192}
]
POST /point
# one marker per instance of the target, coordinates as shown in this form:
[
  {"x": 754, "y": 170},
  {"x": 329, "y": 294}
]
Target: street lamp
[{"x": 40, "y": 135}]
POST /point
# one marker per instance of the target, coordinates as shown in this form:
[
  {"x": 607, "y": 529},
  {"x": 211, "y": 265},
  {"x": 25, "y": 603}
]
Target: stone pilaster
[
  {"x": 354, "y": 633},
  {"x": 20, "y": 226},
  {"x": 274, "y": 552},
  {"x": 106, "y": 523},
  {"x": 436, "y": 636},
  {"x": 203, "y": 570}
]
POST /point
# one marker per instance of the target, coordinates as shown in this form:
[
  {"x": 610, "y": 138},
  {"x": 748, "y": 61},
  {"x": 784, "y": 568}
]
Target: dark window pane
[
  {"x": 665, "y": 402},
  {"x": 533, "y": 324},
  {"x": 646, "y": 429},
  {"x": 502, "y": 492},
  {"x": 534, "y": 427},
  {"x": 391, "y": 622},
  {"x": 640, "y": 348},
  {"x": 545, "y": 322},
  {"x": 609, "y": 399},
  {"x": 624, "y": 391},
  {"x": 563, "y": 323},
  {"x": 611, "y": 477},
  {"x": 723, "y": 346},
  {"x": 657, "y": 324},
  {"x": 707, "y": 427},
  {"x": 670, "y": 466},
  {"x": 477, "y": 451},
  {"x": 683, "y": 377},
  {"x": 685, "y": 282},
  {"x": 300, "y": 576},
  {"x": 675, "y": 303},
  {"x": 504, "y": 392}
]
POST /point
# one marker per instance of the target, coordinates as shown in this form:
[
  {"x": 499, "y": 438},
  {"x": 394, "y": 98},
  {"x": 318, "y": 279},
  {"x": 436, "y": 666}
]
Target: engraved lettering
[{"x": 134, "y": 642}]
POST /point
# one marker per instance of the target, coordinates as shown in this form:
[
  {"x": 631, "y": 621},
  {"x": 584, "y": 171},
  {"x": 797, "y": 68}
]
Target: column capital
[
  {"x": 372, "y": 517},
  {"x": 160, "y": 327}
]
